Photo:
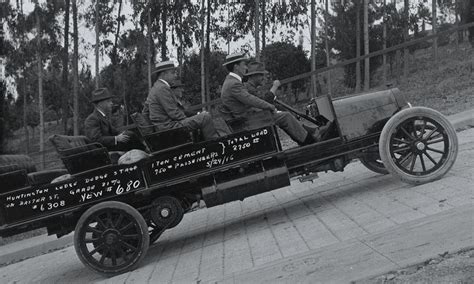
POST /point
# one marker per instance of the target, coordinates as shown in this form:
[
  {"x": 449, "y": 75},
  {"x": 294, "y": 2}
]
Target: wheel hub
[
  {"x": 165, "y": 212},
  {"x": 111, "y": 237},
  {"x": 420, "y": 146}
]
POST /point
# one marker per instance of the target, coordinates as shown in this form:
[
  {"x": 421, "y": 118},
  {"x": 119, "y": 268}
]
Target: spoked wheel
[
  {"x": 372, "y": 161},
  {"x": 418, "y": 145},
  {"x": 167, "y": 212},
  {"x": 111, "y": 238}
]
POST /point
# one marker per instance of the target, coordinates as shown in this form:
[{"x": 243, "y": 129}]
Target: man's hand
[
  {"x": 122, "y": 138},
  {"x": 275, "y": 86}
]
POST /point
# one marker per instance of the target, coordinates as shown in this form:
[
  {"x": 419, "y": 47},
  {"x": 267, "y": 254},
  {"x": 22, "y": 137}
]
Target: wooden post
[
  {"x": 405, "y": 37},
  {"x": 40, "y": 86},
  {"x": 257, "y": 30},
  {"x": 328, "y": 58},
  {"x": 75, "y": 71},
  {"x": 313, "y": 48},
  {"x": 203, "y": 73},
  {"x": 384, "y": 44},
  {"x": 434, "y": 24},
  {"x": 149, "y": 46},
  {"x": 358, "y": 79},
  {"x": 97, "y": 43},
  {"x": 366, "y": 46}
]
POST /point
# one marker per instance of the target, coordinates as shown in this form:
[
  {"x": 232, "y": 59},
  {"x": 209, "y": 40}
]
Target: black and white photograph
[{"x": 237, "y": 141}]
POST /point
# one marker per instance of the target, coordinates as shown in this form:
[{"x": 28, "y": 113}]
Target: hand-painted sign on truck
[
  {"x": 209, "y": 155},
  {"x": 81, "y": 189}
]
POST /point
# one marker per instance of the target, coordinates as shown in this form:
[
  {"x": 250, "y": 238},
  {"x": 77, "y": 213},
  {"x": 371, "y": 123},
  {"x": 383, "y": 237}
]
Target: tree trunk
[
  {"x": 65, "y": 87},
  {"x": 114, "y": 58},
  {"x": 208, "y": 50},
  {"x": 405, "y": 37},
  {"x": 75, "y": 70},
  {"x": 203, "y": 71},
  {"x": 25, "y": 125},
  {"x": 264, "y": 24},
  {"x": 149, "y": 46},
  {"x": 434, "y": 25},
  {"x": 97, "y": 74},
  {"x": 384, "y": 44},
  {"x": 358, "y": 77},
  {"x": 256, "y": 21},
  {"x": 164, "y": 17},
  {"x": 326, "y": 39},
  {"x": 40, "y": 88},
  {"x": 366, "y": 46},
  {"x": 313, "y": 49}
]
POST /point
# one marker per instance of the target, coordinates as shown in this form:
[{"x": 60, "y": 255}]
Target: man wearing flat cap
[
  {"x": 239, "y": 101},
  {"x": 166, "y": 111},
  {"x": 99, "y": 129}
]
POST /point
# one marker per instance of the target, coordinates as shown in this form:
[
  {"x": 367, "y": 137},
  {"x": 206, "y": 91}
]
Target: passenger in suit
[
  {"x": 166, "y": 112},
  {"x": 99, "y": 129},
  {"x": 238, "y": 101}
]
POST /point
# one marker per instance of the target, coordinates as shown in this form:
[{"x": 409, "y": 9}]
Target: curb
[
  {"x": 36, "y": 246},
  {"x": 463, "y": 120},
  {"x": 33, "y": 247}
]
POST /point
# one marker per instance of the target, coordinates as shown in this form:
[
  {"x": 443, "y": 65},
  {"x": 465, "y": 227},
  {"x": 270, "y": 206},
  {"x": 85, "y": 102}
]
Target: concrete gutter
[{"x": 36, "y": 246}]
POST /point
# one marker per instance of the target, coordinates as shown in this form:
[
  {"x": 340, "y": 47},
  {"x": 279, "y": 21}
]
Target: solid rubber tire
[{"x": 397, "y": 119}]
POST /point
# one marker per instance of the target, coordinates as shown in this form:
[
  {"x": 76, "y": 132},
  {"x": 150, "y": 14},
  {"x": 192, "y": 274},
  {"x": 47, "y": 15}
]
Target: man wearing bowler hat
[
  {"x": 236, "y": 99},
  {"x": 99, "y": 129},
  {"x": 165, "y": 110}
]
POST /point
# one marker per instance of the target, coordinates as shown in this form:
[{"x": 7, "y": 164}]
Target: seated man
[
  {"x": 99, "y": 129},
  {"x": 166, "y": 112},
  {"x": 236, "y": 98}
]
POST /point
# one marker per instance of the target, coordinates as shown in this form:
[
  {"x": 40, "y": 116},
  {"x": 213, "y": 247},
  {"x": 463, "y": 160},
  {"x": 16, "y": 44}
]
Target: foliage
[
  {"x": 192, "y": 76},
  {"x": 285, "y": 60}
]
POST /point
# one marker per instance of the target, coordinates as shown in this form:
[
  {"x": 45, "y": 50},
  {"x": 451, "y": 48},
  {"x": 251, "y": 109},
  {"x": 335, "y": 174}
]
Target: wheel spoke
[
  {"x": 110, "y": 223},
  {"x": 435, "y": 141},
  {"x": 434, "y": 150},
  {"x": 92, "y": 252},
  {"x": 122, "y": 253},
  {"x": 422, "y": 162},
  {"x": 422, "y": 131},
  {"x": 126, "y": 227},
  {"x": 119, "y": 220},
  {"x": 100, "y": 222},
  {"x": 400, "y": 140},
  {"x": 114, "y": 257},
  {"x": 404, "y": 159},
  {"x": 102, "y": 258},
  {"x": 127, "y": 245},
  {"x": 407, "y": 134},
  {"x": 130, "y": 237},
  {"x": 93, "y": 230},
  {"x": 431, "y": 158},
  {"x": 413, "y": 163},
  {"x": 402, "y": 149},
  {"x": 431, "y": 132},
  {"x": 87, "y": 241}
]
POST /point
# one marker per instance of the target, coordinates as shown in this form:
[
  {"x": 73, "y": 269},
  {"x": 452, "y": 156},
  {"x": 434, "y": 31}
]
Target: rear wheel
[
  {"x": 372, "y": 161},
  {"x": 418, "y": 145},
  {"x": 167, "y": 212},
  {"x": 111, "y": 238}
]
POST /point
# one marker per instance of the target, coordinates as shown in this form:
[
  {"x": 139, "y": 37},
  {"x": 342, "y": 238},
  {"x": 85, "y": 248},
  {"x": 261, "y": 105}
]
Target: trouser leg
[
  {"x": 204, "y": 122},
  {"x": 291, "y": 126}
]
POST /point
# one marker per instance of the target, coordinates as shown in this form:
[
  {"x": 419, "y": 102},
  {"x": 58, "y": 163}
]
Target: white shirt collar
[
  {"x": 101, "y": 112},
  {"x": 236, "y": 76},
  {"x": 166, "y": 83}
]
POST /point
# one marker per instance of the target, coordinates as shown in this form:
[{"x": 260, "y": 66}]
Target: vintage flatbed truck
[{"x": 117, "y": 210}]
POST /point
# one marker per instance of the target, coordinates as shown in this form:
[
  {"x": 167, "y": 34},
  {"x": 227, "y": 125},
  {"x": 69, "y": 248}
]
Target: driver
[{"x": 237, "y": 99}]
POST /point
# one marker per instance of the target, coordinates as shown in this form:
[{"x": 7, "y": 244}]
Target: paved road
[{"x": 297, "y": 220}]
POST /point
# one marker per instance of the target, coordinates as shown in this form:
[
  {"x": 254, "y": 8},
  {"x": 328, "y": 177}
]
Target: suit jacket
[
  {"x": 259, "y": 91},
  {"x": 162, "y": 107},
  {"x": 236, "y": 99},
  {"x": 99, "y": 129}
]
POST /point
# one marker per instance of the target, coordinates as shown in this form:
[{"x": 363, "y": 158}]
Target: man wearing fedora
[
  {"x": 236, "y": 99},
  {"x": 99, "y": 129},
  {"x": 166, "y": 111}
]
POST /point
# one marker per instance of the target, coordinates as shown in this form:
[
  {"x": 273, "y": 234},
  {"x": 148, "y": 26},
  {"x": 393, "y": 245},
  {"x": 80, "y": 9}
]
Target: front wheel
[
  {"x": 418, "y": 145},
  {"x": 111, "y": 238}
]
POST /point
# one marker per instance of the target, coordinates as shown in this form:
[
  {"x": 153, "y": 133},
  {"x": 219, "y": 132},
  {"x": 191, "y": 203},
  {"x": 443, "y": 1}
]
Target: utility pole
[
  {"x": 257, "y": 30},
  {"x": 328, "y": 58},
  {"x": 384, "y": 43},
  {"x": 366, "y": 46},
  {"x": 434, "y": 24},
  {"x": 97, "y": 75}
]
